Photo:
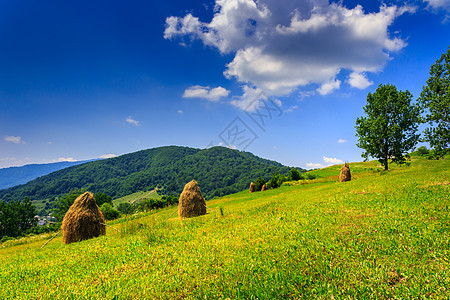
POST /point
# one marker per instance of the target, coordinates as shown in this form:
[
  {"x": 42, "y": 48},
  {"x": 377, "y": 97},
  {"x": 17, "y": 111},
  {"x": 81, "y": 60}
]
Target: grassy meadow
[{"x": 382, "y": 235}]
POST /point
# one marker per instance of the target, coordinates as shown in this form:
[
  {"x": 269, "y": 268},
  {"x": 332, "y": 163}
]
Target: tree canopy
[
  {"x": 389, "y": 129},
  {"x": 435, "y": 99}
]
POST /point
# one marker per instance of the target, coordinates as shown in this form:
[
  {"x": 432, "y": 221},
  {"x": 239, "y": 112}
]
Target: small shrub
[
  {"x": 259, "y": 183},
  {"x": 422, "y": 151},
  {"x": 295, "y": 174},
  {"x": 109, "y": 212}
]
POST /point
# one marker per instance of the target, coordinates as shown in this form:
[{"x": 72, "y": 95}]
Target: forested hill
[
  {"x": 13, "y": 176},
  {"x": 218, "y": 170}
]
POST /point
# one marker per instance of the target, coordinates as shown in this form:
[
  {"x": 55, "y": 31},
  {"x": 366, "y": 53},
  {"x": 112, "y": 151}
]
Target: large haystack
[
  {"x": 83, "y": 220},
  {"x": 191, "y": 202},
  {"x": 263, "y": 188},
  {"x": 252, "y": 187},
  {"x": 345, "y": 173}
]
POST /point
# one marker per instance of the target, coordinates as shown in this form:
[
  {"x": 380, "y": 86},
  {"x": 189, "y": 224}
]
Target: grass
[
  {"x": 136, "y": 197},
  {"x": 382, "y": 235}
]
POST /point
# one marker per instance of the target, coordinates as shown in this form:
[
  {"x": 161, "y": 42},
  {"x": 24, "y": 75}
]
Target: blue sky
[{"x": 88, "y": 79}]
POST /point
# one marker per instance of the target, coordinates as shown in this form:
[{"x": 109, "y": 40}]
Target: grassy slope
[
  {"x": 382, "y": 235},
  {"x": 136, "y": 197}
]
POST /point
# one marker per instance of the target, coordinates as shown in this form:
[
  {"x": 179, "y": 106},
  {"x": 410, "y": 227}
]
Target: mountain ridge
[
  {"x": 220, "y": 171},
  {"x": 13, "y": 176}
]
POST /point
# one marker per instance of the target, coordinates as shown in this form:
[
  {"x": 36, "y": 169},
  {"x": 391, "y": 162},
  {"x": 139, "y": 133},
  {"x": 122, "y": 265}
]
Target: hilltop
[
  {"x": 382, "y": 235},
  {"x": 13, "y": 176},
  {"x": 219, "y": 170}
]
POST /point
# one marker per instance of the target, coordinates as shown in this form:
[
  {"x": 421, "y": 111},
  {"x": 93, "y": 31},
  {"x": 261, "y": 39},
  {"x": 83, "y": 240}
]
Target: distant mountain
[
  {"x": 219, "y": 171},
  {"x": 13, "y": 176}
]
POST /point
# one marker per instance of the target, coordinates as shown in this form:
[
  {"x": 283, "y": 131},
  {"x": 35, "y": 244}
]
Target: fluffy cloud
[
  {"x": 205, "y": 92},
  {"x": 342, "y": 141},
  {"x": 14, "y": 139},
  {"x": 328, "y": 87},
  {"x": 180, "y": 112},
  {"x": 278, "y": 48},
  {"x": 314, "y": 166},
  {"x": 132, "y": 121},
  {"x": 331, "y": 160},
  {"x": 250, "y": 99},
  {"x": 105, "y": 156},
  {"x": 359, "y": 80}
]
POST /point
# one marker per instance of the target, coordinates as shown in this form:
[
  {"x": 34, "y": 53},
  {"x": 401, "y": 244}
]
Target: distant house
[{"x": 42, "y": 222}]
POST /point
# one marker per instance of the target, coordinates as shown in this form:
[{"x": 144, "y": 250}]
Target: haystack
[
  {"x": 83, "y": 220},
  {"x": 252, "y": 188},
  {"x": 191, "y": 202},
  {"x": 263, "y": 188},
  {"x": 345, "y": 173}
]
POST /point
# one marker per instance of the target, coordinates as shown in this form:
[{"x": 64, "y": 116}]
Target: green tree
[
  {"x": 25, "y": 215},
  {"x": 388, "y": 131},
  {"x": 435, "y": 99},
  {"x": 109, "y": 212},
  {"x": 422, "y": 151},
  {"x": 295, "y": 174},
  {"x": 259, "y": 183},
  {"x": 101, "y": 198}
]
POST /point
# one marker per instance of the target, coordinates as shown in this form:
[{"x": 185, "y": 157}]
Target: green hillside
[
  {"x": 382, "y": 235},
  {"x": 219, "y": 170}
]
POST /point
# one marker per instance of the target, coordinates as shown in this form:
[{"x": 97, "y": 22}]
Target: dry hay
[
  {"x": 263, "y": 188},
  {"x": 252, "y": 188},
  {"x": 191, "y": 202},
  {"x": 345, "y": 173},
  {"x": 83, "y": 220}
]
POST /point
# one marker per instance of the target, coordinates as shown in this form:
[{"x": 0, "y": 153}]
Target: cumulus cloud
[
  {"x": 328, "y": 87},
  {"x": 180, "y": 112},
  {"x": 250, "y": 99},
  {"x": 331, "y": 160},
  {"x": 359, "y": 80},
  {"x": 205, "y": 92},
  {"x": 14, "y": 139},
  {"x": 314, "y": 166},
  {"x": 105, "y": 156},
  {"x": 278, "y": 48},
  {"x": 342, "y": 141},
  {"x": 132, "y": 121}
]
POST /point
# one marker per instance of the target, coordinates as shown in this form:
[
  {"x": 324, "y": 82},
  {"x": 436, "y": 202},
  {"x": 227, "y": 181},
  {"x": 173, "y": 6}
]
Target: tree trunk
[{"x": 386, "y": 156}]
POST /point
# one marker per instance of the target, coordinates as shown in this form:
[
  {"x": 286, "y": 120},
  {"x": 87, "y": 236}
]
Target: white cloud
[
  {"x": 70, "y": 159},
  {"x": 14, "y": 139},
  {"x": 180, "y": 111},
  {"x": 342, "y": 141},
  {"x": 250, "y": 99},
  {"x": 105, "y": 156},
  {"x": 314, "y": 166},
  {"x": 278, "y": 48},
  {"x": 205, "y": 92},
  {"x": 331, "y": 160},
  {"x": 359, "y": 80},
  {"x": 132, "y": 121},
  {"x": 438, "y": 4},
  {"x": 328, "y": 87}
]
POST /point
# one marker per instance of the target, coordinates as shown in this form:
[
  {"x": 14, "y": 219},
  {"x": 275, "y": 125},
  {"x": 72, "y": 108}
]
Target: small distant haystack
[
  {"x": 252, "y": 188},
  {"x": 191, "y": 202},
  {"x": 263, "y": 188},
  {"x": 345, "y": 173},
  {"x": 83, "y": 220}
]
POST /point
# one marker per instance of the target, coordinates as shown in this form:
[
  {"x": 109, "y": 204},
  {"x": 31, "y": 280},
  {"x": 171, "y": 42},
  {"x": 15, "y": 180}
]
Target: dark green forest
[{"x": 219, "y": 171}]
